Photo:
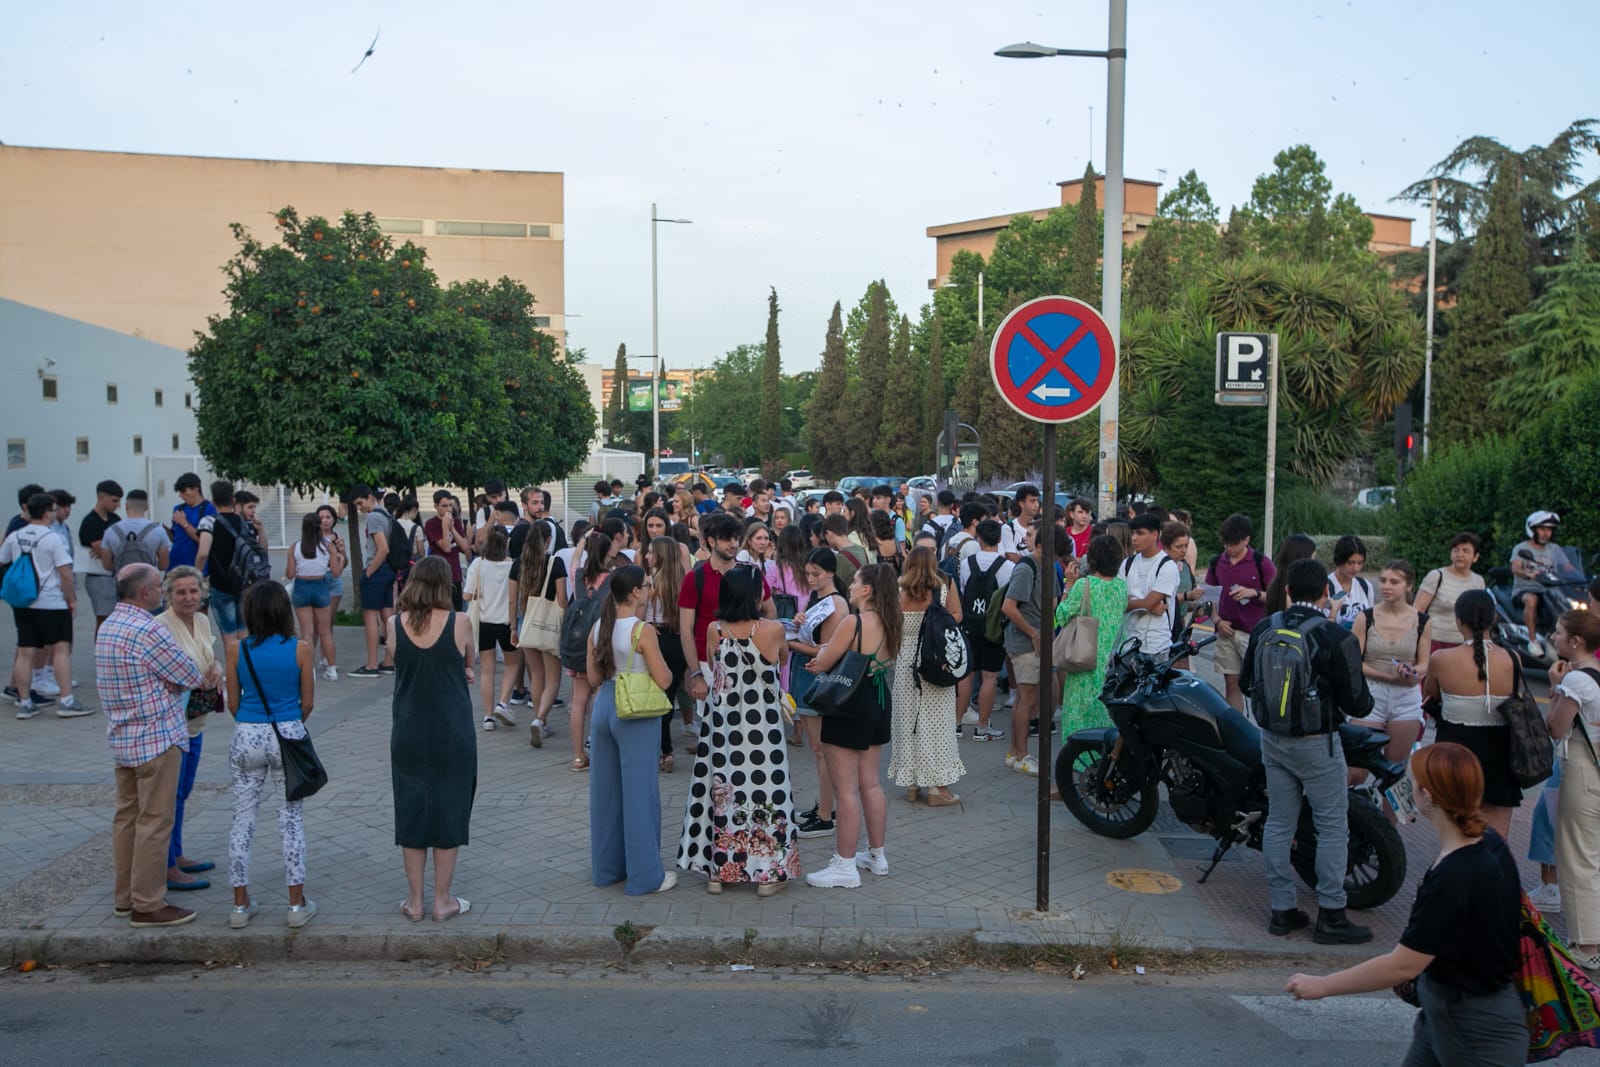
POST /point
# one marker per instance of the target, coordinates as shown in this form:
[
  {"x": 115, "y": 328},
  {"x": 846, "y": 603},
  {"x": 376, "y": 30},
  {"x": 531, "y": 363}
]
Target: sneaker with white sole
[
  {"x": 330, "y": 674},
  {"x": 27, "y": 709},
  {"x": 970, "y": 718},
  {"x": 840, "y": 873},
  {"x": 44, "y": 680},
  {"x": 366, "y": 672},
  {"x": 1547, "y": 898},
  {"x": 503, "y": 715},
  {"x": 987, "y": 733},
  {"x": 300, "y": 914},
  {"x": 536, "y": 733},
  {"x": 1025, "y": 765},
  {"x": 71, "y": 708},
  {"x": 874, "y": 860},
  {"x": 519, "y": 697},
  {"x": 241, "y": 915},
  {"x": 488, "y": 724}
]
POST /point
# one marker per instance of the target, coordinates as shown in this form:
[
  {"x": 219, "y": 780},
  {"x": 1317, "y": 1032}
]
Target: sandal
[
  {"x": 414, "y": 918},
  {"x": 579, "y": 764},
  {"x": 666, "y": 763},
  {"x": 463, "y": 905}
]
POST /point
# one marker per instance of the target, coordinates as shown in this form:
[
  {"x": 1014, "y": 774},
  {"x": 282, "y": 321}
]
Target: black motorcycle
[
  {"x": 1173, "y": 728},
  {"x": 1562, "y": 588}
]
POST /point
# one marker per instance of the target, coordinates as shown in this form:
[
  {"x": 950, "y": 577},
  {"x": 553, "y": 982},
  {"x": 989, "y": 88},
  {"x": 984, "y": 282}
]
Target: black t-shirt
[
  {"x": 516, "y": 541},
  {"x": 93, "y": 528},
  {"x": 1468, "y": 916},
  {"x": 225, "y": 530}
]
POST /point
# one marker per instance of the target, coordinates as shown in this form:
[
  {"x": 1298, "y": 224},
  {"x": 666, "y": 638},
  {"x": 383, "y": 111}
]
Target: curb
[{"x": 661, "y": 944}]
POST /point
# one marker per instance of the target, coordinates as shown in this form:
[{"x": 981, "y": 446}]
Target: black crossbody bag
[{"x": 303, "y": 773}]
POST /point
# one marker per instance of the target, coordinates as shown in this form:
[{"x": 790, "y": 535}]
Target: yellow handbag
[{"x": 638, "y": 695}]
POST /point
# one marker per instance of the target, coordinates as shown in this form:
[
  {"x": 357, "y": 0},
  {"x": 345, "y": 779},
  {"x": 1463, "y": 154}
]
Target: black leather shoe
[
  {"x": 1288, "y": 921},
  {"x": 1334, "y": 928}
]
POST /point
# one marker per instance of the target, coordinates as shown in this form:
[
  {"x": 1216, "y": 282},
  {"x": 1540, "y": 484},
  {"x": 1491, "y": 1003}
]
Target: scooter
[
  {"x": 1561, "y": 589},
  {"x": 1173, "y": 729}
]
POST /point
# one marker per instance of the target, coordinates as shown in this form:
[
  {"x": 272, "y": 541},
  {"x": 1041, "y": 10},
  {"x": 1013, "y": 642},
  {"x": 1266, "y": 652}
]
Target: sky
[{"x": 811, "y": 145}]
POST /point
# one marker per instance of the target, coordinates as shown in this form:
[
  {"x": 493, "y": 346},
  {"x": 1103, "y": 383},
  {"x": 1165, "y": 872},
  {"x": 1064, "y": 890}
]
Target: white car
[
  {"x": 801, "y": 480},
  {"x": 1374, "y": 497}
]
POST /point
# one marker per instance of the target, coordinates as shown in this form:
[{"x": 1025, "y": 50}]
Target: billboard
[{"x": 673, "y": 394}]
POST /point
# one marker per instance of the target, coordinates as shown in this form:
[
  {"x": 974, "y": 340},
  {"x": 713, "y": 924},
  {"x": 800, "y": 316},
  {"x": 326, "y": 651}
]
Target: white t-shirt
[
  {"x": 1349, "y": 604},
  {"x": 565, "y": 556},
  {"x": 1585, "y": 692},
  {"x": 310, "y": 569},
  {"x": 1008, "y": 541},
  {"x": 986, "y": 560},
  {"x": 1145, "y": 575},
  {"x": 49, "y": 553},
  {"x": 962, "y": 543},
  {"x": 131, "y": 527},
  {"x": 489, "y": 582}
]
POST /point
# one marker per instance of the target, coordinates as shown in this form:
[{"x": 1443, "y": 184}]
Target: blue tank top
[{"x": 274, "y": 662}]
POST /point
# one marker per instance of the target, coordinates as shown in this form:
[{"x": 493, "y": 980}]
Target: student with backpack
[
  {"x": 1024, "y": 634},
  {"x": 1348, "y": 592},
  {"x": 231, "y": 558},
  {"x": 137, "y": 538},
  {"x": 983, "y": 578},
  {"x": 923, "y": 758},
  {"x": 1243, "y": 573},
  {"x": 590, "y": 592},
  {"x": 38, "y": 585},
  {"x": 1305, "y": 679},
  {"x": 380, "y": 551},
  {"x": 1152, "y": 576}
]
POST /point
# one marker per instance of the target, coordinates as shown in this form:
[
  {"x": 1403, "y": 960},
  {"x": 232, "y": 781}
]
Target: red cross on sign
[{"x": 1053, "y": 359}]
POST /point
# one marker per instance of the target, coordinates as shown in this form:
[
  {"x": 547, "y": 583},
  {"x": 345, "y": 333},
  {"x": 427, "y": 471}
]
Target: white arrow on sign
[{"x": 1045, "y": 392}]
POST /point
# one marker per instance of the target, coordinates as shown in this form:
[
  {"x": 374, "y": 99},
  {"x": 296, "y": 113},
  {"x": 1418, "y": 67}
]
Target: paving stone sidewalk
[{"x": 955, "y": 873}]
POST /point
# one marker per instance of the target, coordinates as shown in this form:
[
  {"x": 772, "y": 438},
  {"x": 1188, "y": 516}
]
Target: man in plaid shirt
[{"x": 144, "y": 678}]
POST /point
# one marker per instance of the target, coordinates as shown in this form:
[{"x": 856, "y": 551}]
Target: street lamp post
[
  {"x": 655, "y": 348},
  {"x": 1116, "y": 57}
]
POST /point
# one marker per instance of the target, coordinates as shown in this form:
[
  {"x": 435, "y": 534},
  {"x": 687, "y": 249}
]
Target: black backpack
[
  {"x": 1283, "y": 688},
  {"x": 943, "y": 658},
  {"x": 982, "y": 587},
  {"x": 582, "y": 612},
  {"x": 558, "y": 536},
  {"x": 250, "y": 563},
  {"x": 399, "y": 557}
]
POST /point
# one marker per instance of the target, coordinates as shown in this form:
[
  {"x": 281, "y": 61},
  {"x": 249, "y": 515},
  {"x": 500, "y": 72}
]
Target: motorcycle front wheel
[
  {"x": 1102, "y": 797},
  {"x": 1375, "y": 868}
]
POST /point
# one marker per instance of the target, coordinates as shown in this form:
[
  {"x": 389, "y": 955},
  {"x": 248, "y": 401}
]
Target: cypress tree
[
  {"x": 1495, "y": 287},
  {"x": 900, "y": 432},
  {"x": 864, "y": 406},
  {"x": 1009, "y": 446},
  {"x": 1083, "y": 252},
  {"x": 771, "y": 398},
  {"x": 617, "y": 408},
  {"x": 1233, "y": 243},
  {"x": 974, "y": 382},
  {"x": 1152, "y": 280},
  {"x": 825, "y": 413},
  {"x": 933, "y": 395}
]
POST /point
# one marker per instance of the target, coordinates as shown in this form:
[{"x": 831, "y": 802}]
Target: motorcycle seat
[{"x": 1241, "y": 738}]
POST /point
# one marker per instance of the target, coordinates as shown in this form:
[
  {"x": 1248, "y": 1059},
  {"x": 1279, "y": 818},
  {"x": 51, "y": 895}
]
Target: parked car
[
  {"x": 1374, "y": 497},
  {"x": 924, "y": 481},
  {"x": 851, "y": 483},
  {"x": 801, "y": 479}
]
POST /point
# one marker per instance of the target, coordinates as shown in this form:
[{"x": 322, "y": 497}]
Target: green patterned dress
[{"x": 1080, "y": 696}]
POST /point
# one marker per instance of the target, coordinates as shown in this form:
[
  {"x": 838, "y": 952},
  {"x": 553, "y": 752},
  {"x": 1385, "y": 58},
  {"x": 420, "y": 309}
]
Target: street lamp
[
  {"x": 1116, "y": 57},
  {"x": 655, "y": 349}
]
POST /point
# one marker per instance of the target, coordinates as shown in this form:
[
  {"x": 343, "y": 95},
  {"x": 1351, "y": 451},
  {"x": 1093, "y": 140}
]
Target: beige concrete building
[
  {"x": 1140, "y": 201},
  {"x": 135, "y": 243}
]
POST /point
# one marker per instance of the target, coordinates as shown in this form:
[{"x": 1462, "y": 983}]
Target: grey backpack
[
  {"x": 1283, "y": 686},
  {"x": 135, "y": 549}
]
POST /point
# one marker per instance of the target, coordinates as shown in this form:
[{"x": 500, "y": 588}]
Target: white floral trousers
[{"x": 252, "y": 755}]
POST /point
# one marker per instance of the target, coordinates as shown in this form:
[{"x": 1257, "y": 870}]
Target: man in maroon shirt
[
  {"x": 1244, "y": 574},
  {"x": 701, "y": 590},
  {"x": 447, "y": 537}
]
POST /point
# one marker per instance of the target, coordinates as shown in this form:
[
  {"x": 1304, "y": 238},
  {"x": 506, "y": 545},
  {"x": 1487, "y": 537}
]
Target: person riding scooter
[{"x": 1541, "y": 529}]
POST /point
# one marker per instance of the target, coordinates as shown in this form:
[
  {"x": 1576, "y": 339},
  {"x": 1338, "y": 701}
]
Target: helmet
[{"x": 1541, "y": 518}]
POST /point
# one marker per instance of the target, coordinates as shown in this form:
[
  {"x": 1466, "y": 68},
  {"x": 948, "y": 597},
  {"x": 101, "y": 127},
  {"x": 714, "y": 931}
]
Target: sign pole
[
  {"x": 1272, "y": 440},
  {"x": 1047, "y": 615}
]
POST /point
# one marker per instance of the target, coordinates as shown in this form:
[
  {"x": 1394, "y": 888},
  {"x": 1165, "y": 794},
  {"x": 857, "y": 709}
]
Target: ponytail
[
  {"x": 624, "y": 580},
  {"x": 1453, "y": 778}
]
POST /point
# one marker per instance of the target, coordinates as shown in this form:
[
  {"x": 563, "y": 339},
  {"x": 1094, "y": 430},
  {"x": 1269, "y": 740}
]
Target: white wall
[{"x": 83, "y": 360}]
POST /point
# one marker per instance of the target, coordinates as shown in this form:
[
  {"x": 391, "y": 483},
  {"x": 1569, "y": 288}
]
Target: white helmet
[{"x": 1540, "y": 518}]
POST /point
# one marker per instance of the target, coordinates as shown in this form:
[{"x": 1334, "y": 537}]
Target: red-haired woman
[{"x": 1461, "y": 943}]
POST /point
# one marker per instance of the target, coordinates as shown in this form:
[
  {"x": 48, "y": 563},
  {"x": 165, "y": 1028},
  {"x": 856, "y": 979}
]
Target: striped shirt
[{"x": 144, "y": 678}]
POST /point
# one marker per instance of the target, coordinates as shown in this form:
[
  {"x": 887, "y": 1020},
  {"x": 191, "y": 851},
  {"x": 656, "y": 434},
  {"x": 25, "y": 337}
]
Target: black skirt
[{"x": 1492, "y": 746}]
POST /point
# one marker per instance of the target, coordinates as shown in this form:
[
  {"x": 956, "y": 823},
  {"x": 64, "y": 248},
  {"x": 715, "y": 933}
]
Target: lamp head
[{"x": 1025, "y": 50}]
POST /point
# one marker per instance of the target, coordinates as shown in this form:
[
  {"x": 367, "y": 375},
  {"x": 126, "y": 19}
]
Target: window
[
  {"x": 111, "y": 394},
  {"x": 174, "y": 442},
  {"x": 49, "y": 389},
  {"x": 161, "y": 398},
  {"x": 83, "y": 450},
  {"x": 400, "y": 225},
  {"x": 16, "y": 453},
  {"x": 138, "y": 445},
  {"x": 188, "y": 400},
  {"x": 543, "y": 322},
  {"x": 537, "y": 230},
  {"x": 482, "y": 229}
]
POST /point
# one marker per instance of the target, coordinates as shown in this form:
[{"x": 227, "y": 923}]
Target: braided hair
[{"x": 1475, "y": 615}]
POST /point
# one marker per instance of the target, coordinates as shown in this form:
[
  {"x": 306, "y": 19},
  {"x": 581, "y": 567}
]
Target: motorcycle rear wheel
[
  {"x": 1124, "y": 810},
  {"x": 1376, "y": 865}
]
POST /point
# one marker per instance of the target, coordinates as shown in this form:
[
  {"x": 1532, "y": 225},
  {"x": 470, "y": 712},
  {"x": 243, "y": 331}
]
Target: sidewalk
[{"x": 957, "y": 874}]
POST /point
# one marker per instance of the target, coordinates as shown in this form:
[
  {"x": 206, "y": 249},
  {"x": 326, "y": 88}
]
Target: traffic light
[{"x": 1404, "y": 441}]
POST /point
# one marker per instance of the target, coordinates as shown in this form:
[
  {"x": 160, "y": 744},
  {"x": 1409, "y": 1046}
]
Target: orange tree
[{"x": 340, "y": 359}]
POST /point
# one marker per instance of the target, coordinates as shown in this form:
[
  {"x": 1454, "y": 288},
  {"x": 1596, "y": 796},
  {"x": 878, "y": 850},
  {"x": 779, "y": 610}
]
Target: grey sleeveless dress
[{"x": 433, "y": 749}]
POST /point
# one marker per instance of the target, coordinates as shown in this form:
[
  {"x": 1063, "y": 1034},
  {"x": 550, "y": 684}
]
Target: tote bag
[
  {"x": 838, "y": 690},
  {"x": 1557, "y": 994},
  {"x": 541, "y": 626},
  {"x": 1076, "y": 648},
  {"x": 638, "y": 695}
]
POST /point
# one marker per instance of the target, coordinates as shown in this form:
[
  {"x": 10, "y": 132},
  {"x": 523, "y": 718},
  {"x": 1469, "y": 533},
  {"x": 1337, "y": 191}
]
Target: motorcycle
[
  {"x": 1173, "y": 729},
  {"x": 1562, "y": 588}
]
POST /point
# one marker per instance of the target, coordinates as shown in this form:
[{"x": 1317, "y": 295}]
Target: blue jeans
[
  {"x": 624, "y": 797},
  {"x": 312, "y": 592},
  {"x": 1303, "y": 768},
  {"x": 186, "y": 772},
  {"x": 224, "y": 611}
]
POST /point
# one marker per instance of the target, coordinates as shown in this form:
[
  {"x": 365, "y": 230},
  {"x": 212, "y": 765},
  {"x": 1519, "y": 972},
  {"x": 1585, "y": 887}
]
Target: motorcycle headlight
[{"x": 1578, "y": 605}]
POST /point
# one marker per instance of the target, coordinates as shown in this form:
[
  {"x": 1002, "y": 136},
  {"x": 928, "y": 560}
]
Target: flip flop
[
  {"x": 463, "y": 905},
  {"x": 413, "y": 918}
]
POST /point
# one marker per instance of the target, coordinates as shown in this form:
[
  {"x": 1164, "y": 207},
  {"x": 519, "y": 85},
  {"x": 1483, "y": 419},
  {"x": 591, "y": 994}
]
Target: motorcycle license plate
[{"x": 1401, "y": 800}]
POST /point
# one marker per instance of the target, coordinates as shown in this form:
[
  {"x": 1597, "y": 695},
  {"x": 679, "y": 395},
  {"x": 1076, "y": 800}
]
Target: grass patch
[
  {"x": 628, "y": 935},
  {"x": 481, "y": 955}
]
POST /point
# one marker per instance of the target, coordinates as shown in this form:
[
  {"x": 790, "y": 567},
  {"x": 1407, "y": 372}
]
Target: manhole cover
[{"x": 1139, "y": 881}]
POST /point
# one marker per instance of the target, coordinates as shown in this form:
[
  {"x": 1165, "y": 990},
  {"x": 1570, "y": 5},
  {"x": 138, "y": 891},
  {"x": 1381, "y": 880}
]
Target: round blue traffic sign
[{"x": 1053, "y": 359}]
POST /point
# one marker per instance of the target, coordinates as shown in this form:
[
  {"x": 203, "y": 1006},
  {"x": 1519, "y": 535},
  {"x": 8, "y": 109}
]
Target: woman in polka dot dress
[{"x": 739, "y": 826}]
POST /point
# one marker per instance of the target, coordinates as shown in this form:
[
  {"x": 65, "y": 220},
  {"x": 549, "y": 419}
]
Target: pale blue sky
[{"x": 811, "y": 144}]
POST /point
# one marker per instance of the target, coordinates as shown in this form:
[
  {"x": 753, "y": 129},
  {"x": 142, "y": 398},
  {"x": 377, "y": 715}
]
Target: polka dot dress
[{"x": 739, "y": 825}]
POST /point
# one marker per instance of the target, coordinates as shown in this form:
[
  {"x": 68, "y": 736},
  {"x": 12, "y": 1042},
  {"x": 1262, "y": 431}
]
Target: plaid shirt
[{"x": 144, "y": 679}]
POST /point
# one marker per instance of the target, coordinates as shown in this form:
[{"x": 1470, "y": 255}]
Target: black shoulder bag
[
  {"x": 303, "y": 773},
  {"x": 837, "y": 691}
]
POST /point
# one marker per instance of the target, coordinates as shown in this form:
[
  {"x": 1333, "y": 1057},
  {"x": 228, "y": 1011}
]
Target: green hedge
[{"x": 1459, "y": 489}]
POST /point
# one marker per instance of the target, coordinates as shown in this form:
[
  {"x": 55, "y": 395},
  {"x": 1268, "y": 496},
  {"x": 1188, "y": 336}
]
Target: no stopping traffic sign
[{"x": 1052, "y": 359}]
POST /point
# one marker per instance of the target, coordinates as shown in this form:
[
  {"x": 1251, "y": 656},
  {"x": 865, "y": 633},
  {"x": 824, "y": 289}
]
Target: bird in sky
[{"x": 368, "y": 54}]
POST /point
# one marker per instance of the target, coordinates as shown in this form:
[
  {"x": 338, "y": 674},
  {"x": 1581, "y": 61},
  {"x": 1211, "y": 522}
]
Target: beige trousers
[
  {"x": 1578, "y": 840},
  {"x": 147, "y": 796}
]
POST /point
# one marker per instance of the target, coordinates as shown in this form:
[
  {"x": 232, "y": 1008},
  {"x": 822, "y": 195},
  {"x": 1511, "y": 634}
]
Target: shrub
[
  {"x": 1460, "y": 488},
  {"x": 1313, "y": 511},
  {"x": 1557, "y": 467}
]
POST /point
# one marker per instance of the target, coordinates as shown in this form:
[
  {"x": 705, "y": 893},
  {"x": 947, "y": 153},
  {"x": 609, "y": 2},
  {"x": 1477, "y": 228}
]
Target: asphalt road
[{"x": 399, "y": 1015}]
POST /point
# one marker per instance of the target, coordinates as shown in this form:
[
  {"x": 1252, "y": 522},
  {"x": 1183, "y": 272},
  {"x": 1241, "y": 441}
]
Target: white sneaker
[
  {"x": 488, "y": 725},
  {"x": 322, "y": 662},
  {"x": 45, "y": 684},
  {"x": 241, "y": 915},
  {"x": 330, "y": 674},
  {"x": 840, "y": 873},
  {"x": 536, "y": 733},
  {"x": 300, "y": 914},
  {"x": 970, "y": 718},
  {"x": 1547, "y": 898},
  {"x": 1024, "y": 765},
  {"x": 503, "y": 715},
  {"x": 874, "y": 860}
]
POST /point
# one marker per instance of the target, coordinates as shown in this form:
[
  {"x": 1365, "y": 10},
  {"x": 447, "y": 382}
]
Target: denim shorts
[
  {"x": 378, "y": 591},
  {"x": 224, "y": 611},
  {"x": 312, "y": 592}
]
